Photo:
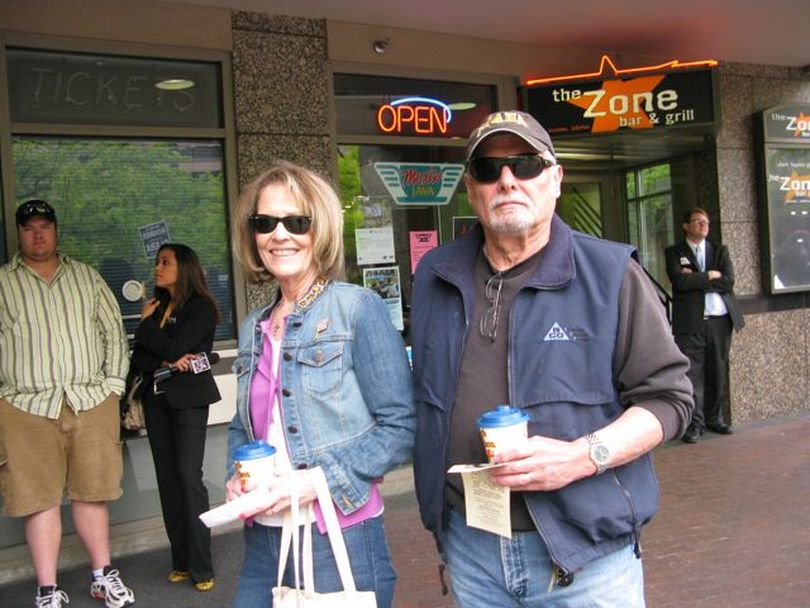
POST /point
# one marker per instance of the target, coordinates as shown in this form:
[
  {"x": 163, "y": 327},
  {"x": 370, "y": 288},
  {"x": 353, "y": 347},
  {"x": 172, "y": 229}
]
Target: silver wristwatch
[{"x": 599, "y": 454}]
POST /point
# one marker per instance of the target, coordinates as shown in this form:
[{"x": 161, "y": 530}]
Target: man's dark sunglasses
[
  {"x": 294, "y": 224},
  {"x": 486, "y": 169}
]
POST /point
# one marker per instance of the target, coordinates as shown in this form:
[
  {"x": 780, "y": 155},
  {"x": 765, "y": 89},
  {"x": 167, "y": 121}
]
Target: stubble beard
[{"x": 518, "y": 220}]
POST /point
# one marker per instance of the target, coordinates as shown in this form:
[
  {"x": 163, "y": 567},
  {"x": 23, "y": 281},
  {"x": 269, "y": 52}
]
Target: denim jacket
[{"x": 346, "y": 390}]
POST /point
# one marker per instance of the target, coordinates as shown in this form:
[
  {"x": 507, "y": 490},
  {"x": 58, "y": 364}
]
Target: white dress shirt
[{"x": 713, "y": 305}]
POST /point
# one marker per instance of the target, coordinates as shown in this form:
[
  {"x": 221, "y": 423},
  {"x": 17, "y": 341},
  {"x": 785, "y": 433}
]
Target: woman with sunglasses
[
  {"x": 176, "y": 325},
  {"x": 322, "y": 375}
]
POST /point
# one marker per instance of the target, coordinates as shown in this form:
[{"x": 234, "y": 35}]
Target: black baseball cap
[
  {"x": 35, "y": 208},
  {"x": 518, "y": 123}
]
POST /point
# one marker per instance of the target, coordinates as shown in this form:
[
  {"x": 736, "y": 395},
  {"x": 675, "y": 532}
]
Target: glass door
[
  {"x": 591, "y": 203},
  {"x": 580, "y": 206}
]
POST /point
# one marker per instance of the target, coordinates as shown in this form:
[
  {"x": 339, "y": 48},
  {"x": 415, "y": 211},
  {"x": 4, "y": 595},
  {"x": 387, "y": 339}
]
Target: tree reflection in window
[{"x": 105, "y": 191}]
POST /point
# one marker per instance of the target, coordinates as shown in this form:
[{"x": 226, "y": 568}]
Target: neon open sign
[{"x": 414, "y": 116}]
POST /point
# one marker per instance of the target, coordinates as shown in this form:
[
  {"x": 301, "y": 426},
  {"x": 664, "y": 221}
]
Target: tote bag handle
[{"x": 290, "y": 534}]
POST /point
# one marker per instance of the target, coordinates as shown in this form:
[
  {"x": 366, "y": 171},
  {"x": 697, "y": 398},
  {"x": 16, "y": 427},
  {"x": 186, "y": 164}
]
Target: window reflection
[{"x": 109, "y": 196}]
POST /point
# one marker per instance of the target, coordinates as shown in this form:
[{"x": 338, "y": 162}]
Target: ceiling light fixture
[
  {"x": 460, "y": 106},
  {"x": 174, "y": 84}
]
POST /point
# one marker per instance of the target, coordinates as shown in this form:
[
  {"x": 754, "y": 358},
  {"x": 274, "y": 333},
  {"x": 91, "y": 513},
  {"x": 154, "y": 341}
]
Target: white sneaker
[
  {"x": 112, "y": 590},
  {"x": 55, "y": 599}
]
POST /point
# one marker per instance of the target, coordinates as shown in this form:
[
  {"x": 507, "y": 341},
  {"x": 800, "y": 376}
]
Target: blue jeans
[
  {"x": 368, "y": 554},
  {"x": 489, "y": 570}
]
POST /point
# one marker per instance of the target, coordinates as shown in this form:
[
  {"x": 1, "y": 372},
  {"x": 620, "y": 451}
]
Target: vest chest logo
[{"x": 558, "y": 333}]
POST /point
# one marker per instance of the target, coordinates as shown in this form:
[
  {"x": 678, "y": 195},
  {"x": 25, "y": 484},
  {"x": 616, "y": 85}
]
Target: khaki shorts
[{"x": 40, "y": 457}]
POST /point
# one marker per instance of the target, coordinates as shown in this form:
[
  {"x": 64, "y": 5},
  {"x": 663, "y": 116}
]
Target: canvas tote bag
[{"x": 288, "y": 597}]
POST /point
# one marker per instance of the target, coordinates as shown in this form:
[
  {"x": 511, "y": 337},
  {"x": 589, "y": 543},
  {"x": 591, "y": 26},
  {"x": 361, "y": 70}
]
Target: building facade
[{"x": 128, "y": 165}]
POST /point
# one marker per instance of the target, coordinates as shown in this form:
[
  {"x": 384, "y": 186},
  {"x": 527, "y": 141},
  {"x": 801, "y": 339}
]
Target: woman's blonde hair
[{"x": 314, "y": 197}]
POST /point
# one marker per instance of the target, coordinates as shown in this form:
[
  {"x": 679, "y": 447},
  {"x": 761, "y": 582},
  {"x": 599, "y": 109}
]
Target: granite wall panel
[
  {"x": 769, "y": 366},
  {"x": 742, "y": 240},
  {"x": 280, "y": 83},
  {"x": 770, "y": 358},
  {"x": 281, "y": 101},
  {"x": 737, "y": 185},
  {"x": 257, "y": 151},
  {"x": 736, "y": 106}
]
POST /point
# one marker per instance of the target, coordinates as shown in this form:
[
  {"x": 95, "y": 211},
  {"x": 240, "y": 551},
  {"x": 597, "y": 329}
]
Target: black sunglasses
[
  {"x": 294, "y": 224},
  {"x": 486, "y": 169}
]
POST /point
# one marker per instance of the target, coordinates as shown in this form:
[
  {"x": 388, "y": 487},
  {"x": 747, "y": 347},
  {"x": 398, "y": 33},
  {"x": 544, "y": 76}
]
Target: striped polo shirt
[{"x": 63, "y": 338}]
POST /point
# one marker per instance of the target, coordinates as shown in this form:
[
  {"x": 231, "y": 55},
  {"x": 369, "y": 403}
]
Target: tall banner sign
[
  {"x": 671, "y": 95},
  {"x": 783, "y": 159}
]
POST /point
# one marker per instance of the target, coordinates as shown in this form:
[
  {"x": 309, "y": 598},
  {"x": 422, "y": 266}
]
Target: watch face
[{"x": 600, "y": 454}]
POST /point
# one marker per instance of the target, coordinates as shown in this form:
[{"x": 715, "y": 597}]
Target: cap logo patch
[{"x": 500, "y": 118}]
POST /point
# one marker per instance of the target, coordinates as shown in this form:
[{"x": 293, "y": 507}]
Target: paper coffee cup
[
  {"x": 503, "y": 428},
  {"x": 255, "y": 463}
]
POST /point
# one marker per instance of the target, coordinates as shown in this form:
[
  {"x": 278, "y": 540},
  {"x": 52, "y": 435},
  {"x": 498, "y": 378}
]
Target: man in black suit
[{"x": 704, "y": 312}]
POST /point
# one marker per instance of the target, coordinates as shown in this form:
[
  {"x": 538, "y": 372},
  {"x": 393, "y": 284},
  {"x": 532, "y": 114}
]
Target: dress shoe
[
  {"x": 691, "y": 436},
  {"x": 204, "y": 585},
  {"x": 720, "y": 428},
  {"x": 178, "y": 576}
]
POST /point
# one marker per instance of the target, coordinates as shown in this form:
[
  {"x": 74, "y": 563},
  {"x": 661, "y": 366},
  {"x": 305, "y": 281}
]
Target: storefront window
[
  {"x": 402, "y": 198},
  {"x": 132, "y": 152},
  {"x": 119, "y": 185},
  {"x": 118, "y": 200},
  {"x": 385, "y": 233}
]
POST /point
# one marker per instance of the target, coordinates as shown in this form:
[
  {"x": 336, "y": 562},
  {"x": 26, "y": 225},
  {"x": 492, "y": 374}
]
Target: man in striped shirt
[{"x": 63, "y": 360}]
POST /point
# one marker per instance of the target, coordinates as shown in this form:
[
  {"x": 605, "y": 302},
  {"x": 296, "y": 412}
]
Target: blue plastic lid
[
  {"x": 253, "y": 450},
  {"x": 502, "y": 415}
]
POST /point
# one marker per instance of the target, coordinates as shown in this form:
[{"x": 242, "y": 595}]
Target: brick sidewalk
[
  {"x": 734, "y": 524},
  {"x": 733, "y": 531}
]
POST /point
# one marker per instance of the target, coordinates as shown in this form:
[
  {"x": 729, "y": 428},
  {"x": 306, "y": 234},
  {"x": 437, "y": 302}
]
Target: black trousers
[
  {"x": 708, "y": 367},
  {"x": 177, "y": 439}
]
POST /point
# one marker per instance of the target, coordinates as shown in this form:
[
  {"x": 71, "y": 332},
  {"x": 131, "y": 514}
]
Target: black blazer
[
  {"x": 689, "y": 289},
  {"x": 189, "y": 330}
]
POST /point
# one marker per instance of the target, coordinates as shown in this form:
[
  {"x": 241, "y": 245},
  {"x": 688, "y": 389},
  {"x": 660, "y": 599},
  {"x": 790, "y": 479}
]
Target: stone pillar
[
  {"x": 281, "y": 98},
  {"x": 769, "y": 373}
]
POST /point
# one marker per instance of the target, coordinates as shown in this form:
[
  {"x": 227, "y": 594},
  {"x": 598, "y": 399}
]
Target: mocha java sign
[{"x": 645, "y": 101}]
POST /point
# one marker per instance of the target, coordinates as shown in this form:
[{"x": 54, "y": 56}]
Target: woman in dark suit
[{"x": 177, "y": 324}]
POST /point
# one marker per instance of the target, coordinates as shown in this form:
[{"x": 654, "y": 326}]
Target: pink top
[{"x": 265, "y": 402}]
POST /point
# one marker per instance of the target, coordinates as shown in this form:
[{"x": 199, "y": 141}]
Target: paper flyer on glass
[
  {"x": 385, "y": 281},
  {"x": 375, "y": 245}
]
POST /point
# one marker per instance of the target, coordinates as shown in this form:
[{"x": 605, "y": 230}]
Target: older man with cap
[
  {"x": 63, "y": 360},
  {"x": 525, "y": 311}
]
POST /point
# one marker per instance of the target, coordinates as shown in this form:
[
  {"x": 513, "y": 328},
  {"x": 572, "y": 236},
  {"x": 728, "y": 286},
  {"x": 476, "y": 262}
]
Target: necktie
[{"x": 701, "y": 258}]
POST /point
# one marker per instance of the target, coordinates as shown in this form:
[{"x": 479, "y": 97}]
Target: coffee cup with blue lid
[
  {"x": 254, "y": 463},
  {"x": 502, "y": 428}
]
